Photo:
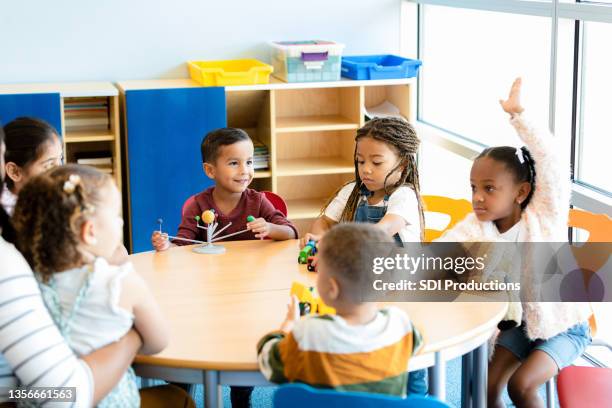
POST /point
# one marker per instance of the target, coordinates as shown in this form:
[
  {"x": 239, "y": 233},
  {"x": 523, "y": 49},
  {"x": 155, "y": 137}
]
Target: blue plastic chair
[{"x": 304, "y": 396}]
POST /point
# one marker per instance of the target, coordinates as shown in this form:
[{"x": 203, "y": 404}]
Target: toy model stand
[
  {"x": 209, "y": 248},
  {"x": 208, "y": 217}
]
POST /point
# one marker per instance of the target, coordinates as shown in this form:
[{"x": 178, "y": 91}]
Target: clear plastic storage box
[{"x": 307, "y": 61}]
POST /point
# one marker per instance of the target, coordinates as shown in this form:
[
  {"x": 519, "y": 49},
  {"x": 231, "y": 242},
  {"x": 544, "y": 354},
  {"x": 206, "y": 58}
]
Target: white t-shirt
[
  {"x": 99, "y": 320},
  {"x": 512, "y": 235},
  {"x": 8, "y": 200},
  {"x": 509, "y": 264},
  {"x": 402, "y": 202}
]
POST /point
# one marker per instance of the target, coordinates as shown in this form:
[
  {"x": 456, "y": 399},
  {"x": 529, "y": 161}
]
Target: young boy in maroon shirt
[{"x": 227, "y": 156}]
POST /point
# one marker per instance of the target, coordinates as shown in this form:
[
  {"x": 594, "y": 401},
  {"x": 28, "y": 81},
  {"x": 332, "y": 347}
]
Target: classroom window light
[
  {"x": 469, "y": 58},
  {"x": 594, "y": 138}
]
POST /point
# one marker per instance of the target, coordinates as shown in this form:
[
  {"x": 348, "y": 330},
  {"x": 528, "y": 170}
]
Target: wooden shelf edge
[
  {"x": 262, "y": 174},
  {"x": 314, "y": 123},
  {"x": 313, "y": 166},
  {"x": 275, "y": 84},
  {"x": 82, "y": 139},
  {"x": 321, "y": 128},
  {"x": 302, "y": 209},
  {"x": 313, "y": 172}
]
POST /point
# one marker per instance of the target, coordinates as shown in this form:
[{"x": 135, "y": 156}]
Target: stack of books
[
  {"x": 86, "y": 113},
  {"x": 261, "y": 160},
  {"x": 102, "y": 160}
]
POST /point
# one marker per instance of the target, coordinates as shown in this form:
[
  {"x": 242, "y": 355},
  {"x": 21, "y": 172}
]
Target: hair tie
[
  {"x": 69, "y": 187},
  {"x": 519, "y": 155},
  {"x": 71, "y": 183}
]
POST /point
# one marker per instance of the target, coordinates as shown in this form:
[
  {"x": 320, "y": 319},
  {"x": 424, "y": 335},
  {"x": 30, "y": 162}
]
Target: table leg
[
  {"x": 211, "y": 389},
  {"x": 466, "y": 380},
  {"x": 437, "y": 377},
  {"x": 481, "y": 366}
]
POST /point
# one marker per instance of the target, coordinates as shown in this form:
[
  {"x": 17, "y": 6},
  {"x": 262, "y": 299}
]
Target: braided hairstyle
[
  {"x": 401, "y": 136},
  {"x": 51, "y": 209},
  {"x": 523, "y": 172}
]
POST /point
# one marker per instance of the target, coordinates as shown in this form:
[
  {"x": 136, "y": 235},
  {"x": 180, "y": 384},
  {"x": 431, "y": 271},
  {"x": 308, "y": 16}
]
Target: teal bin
[{"x": 307, "y": 61}]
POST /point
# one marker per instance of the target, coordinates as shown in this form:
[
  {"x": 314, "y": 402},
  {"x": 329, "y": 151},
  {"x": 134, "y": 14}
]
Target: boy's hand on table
[
  {"x": 260, "y": 227},
  {"x": 309, "y": 237},
  {"x": 160, "y": 241},
  {"x": 293, "y": 314}
]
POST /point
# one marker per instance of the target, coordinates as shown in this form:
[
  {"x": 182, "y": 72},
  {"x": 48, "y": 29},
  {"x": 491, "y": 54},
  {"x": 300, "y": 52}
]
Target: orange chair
[
  {"x": 599, "y": 227},
  {"x": 586, "y": 386},
  {"x": 457, "y": 209}
]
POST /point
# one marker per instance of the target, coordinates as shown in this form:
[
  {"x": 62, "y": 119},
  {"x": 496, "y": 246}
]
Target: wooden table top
[
  {"x": 219, "y": 306},
  {"x": 246, "y": 266}
]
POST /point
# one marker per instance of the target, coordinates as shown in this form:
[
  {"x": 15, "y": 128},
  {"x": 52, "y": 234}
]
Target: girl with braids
[
  {"x": 386, "y": 192},
  {"x": 32, "y": 146},
  {"x": 68, "y": 223},
  {"x": 386, "y": 189},
  {"x": 522, "y": 195}
]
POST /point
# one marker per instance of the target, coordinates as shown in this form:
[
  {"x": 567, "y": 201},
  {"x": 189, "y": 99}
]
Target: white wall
[{"x": 74, "y": 40}]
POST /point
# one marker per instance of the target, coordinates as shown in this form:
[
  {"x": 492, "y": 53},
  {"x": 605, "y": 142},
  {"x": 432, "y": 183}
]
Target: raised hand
[{"x": 512, "y": 105}]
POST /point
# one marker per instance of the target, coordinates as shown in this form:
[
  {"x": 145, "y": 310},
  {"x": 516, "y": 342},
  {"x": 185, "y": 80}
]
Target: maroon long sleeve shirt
[{"x": 251, "y": 203}]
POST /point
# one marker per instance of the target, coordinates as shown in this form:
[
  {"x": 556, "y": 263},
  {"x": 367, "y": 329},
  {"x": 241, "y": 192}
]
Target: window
[
  {"x": 471, "y": 51},
  {"x": 470, "y": 58},
  {"x": 594, "y": 164}
]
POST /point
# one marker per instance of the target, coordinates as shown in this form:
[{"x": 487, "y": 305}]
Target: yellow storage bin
[{"x": 230, "y": 72}]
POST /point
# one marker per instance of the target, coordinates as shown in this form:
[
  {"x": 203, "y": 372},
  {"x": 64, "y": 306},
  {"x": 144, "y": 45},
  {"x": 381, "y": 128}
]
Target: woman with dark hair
[
  {"x": 34, "y": 353},
  {"x": 32, "y": 146}
]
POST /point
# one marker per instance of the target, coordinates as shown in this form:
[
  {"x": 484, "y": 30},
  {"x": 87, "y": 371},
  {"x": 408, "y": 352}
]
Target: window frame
[{"x": 584, "y": 195}]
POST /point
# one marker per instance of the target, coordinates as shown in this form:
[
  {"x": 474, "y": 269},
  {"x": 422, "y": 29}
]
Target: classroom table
[{"x": 219, "y": 306}]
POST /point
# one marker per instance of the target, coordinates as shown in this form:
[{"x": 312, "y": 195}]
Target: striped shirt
[
  {"x": 325, "y": 351},
  {"x": 33, "y": 353}
]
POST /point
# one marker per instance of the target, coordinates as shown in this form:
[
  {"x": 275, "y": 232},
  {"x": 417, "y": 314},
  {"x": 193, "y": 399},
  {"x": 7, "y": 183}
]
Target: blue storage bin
[{"x": 379, "y": 67}]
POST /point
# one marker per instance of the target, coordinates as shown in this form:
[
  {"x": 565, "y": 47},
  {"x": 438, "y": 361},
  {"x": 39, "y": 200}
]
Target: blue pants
[{"x": 417, "y": 382}]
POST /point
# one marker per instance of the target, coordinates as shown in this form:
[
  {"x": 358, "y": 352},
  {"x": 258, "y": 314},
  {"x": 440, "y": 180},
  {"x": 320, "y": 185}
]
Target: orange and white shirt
[{"x": 325, "y": 351}]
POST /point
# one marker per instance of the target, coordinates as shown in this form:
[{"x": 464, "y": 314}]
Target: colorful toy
[
  {"x": 308, "y": 250},
  {"x": 309, "y": 304},
  {"x": 208, "y": 217},
  {"x": 310, "y": 266}
]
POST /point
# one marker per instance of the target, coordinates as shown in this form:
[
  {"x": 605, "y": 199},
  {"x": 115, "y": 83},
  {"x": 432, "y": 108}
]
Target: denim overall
[
  {"x": 370, "y": 213},
  {"x": 373, "y": 214}
]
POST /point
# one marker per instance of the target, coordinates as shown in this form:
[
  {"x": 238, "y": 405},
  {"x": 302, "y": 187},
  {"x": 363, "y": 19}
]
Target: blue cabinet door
[
  {"x": 165, "y": 128},
  {"x": 45, "y": 106}
]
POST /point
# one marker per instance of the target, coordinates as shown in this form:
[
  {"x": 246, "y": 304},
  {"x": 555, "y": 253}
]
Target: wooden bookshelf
[
  {"x": 305, "y": 208},
  {"x": 314, "y": 123},
  {"x": 308, "y": 128},
  {"x": 313, "y": 166},
  {"x": 89, "y": 135},
  {"x": 98, "y": 128},
  {"x": 262, "y": 174}
]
